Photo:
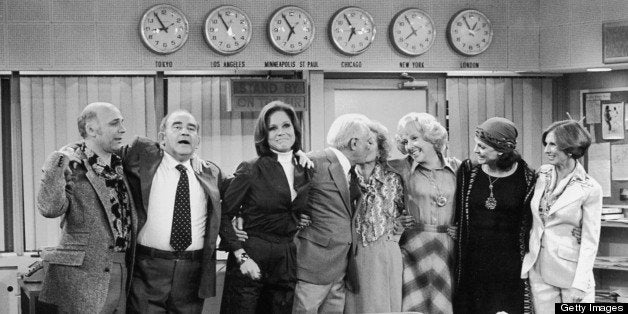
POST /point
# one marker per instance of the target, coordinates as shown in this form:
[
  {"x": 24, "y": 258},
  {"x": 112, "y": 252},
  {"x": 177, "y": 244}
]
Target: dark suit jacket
[
  {"x": 323, "y": 248},
  {"x": 77, "y": 276},
  {"x": 260, "y": 193},
  {"x": 141, "y": 160}
]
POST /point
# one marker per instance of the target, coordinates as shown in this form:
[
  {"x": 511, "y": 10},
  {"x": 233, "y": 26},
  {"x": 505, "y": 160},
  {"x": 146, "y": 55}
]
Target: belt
[
  {"x": 431, "y": 228},
  {"x": 149, "y": 251}
]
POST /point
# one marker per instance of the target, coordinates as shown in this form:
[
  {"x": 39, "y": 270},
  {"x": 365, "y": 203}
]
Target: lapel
[
  {"x": 340, "y": 179},
  {"x": 536, "y": 198},
  {"x": 149, "y": 162},
  {"x": 210, "y": 185},
  {"x": 132, "y": 209},
  {"x": 102, "y": 192},
  {"x": 272, "y": 172},
  {"x": 572, "y": 192}
]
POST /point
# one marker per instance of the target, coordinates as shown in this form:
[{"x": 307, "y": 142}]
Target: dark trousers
[
  {"x": 163, "y": 284},
  {"x": 274, "y": 292}
]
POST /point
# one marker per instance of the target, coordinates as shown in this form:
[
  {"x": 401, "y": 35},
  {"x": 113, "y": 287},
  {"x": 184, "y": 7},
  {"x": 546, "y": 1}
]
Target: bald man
[{"x": 88, "y": 271}]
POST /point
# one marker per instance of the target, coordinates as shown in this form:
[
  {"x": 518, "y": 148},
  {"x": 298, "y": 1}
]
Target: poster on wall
[
  {"x": 592, "y": 113},
  {"x": 599, "y": 166},
  {"x": 619, "y": 162},
  {"x": 613, "y": 121}
]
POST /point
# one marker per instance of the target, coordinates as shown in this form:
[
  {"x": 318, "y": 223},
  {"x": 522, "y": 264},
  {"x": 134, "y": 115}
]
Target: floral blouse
[{"x": 381, "y": 202}]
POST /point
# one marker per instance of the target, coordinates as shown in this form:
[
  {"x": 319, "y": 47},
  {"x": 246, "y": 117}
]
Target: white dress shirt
[{"x": 156, "y": 231}]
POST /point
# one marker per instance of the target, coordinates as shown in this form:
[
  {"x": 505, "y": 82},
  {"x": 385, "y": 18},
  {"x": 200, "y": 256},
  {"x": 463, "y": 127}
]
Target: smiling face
[
  {"x": 419, "y": 149},
  {"x": 280, "y": 132},
  {"x": 107, "y": 131},
  {"x": 485, "y": 153},
  {"x": 555, "y": 155},
  {"x": 180, "y": 136}
]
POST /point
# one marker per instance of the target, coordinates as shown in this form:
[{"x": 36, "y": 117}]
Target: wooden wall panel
[
  {"x": 527, "y": 102},
  {"x": 49, "y": 109}
]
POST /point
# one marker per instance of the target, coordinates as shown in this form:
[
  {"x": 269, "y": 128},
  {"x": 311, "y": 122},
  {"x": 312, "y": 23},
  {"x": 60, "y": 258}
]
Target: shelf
[
  {"x": 614, "y": 224},
  {"x": 611, "y": 268}
]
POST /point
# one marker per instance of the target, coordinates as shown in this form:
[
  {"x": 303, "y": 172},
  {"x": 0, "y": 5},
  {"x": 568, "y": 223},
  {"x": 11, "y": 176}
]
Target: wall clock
[
  {"x": 412, "y": 32},
  {"x": 227, "y": 30},
  {"x": 164, "y": 28},
  {"x": 351, "y": 30},
  {"x": 291, "y": 30},
  {"x": 469, "y": 32}
]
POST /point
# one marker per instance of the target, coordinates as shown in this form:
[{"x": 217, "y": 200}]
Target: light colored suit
[
  {"x": 77, "y": 276},
  {"x": 323, "y": 248},
  {"x": 560, "y": 260}
]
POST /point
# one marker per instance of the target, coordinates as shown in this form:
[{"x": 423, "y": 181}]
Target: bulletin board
[{"x": 606, "y": 118}]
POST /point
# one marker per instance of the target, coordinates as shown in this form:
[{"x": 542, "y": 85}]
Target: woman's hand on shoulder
[
  {"x": 303, "y": 160},
  {"x": 237, "y": 224},
  {"x": 198, "y": 163},
  {"x": 304, "y": 221}
]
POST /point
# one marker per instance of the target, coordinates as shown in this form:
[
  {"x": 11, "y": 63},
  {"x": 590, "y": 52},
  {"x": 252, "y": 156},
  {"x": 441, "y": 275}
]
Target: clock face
[
  {"x": 352, "y": 30},
  {"x": 470, "y": 32},
  {"x": 412, "y": 32},
  {"x": 291, "y": 30},
  {"x": 227, "y": 30},
  {"x": 164, "y": 29}
]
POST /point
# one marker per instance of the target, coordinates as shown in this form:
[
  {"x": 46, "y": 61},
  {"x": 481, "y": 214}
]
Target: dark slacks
[
  {"x": 274, "y": 292},
  {"x": 165, "y": 283}
]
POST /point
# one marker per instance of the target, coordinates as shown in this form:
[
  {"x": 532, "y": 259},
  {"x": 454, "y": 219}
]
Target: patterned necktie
[
  {"x": 181, "y": 234},
  {"x": 354, "y": 189}
]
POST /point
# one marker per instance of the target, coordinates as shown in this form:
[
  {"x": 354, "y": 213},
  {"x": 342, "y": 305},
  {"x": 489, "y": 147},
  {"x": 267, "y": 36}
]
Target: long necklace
[
  {"x": 441, "y": 200},
  {"x": 491, "y": 202}
]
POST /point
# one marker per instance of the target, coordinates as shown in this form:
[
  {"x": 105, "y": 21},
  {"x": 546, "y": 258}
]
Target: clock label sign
[
  {"x": 280, "y": 64},
  {"x": 234, "y": 64},
  {"x": 164, "y": 64},
  {"x": 308, "y": 64},
  {"x": 413, "y": 65},
  {"x": 469, "y": 65},
  {"x": 352, "y": 64}
]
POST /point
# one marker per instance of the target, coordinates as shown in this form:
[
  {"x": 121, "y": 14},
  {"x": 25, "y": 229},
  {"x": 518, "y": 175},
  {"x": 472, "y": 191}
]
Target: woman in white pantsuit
[{"x": 560, "y": 268}]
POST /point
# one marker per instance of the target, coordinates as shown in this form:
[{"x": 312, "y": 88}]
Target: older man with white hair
[{"x": 324, "y": 248}]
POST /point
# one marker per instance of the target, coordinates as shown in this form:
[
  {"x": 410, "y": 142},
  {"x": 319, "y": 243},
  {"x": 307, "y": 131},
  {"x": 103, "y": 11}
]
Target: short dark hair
[
  {"x": 571, "y": 137},
  {"x": 261, "y": 131},
  {"x": 162, "y": 125}
]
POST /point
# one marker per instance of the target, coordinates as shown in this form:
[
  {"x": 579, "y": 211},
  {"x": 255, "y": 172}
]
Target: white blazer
[{"x": 563, "y": 262}]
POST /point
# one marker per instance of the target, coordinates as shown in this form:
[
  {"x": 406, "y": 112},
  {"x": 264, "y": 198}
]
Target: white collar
[
  {"x": 344, "y": 161},
  {"x": 172, "y": 163}
]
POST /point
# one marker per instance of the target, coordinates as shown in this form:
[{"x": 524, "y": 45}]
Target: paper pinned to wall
[
  {"x": 619, "y": 162},
  {"x": 593, "y": 109},
  {"x": 613, "y": 125},
  {"x": 626, "y": 115},
  {"x": 600, "y": 166}
]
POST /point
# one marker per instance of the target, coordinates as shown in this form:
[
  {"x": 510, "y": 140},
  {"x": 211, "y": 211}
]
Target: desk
[{"x": 29, "y": 293}]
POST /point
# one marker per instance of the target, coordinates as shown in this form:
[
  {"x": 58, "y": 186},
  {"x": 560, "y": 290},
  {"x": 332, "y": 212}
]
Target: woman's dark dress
[{"x": 491, "y": 254}]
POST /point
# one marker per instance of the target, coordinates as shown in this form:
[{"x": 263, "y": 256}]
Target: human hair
[
  {"x": 162, "y": 125},
  {"x": 507, "y": 159},
  {"x": 427, "y": 126},
  {"x": 345, "y": 128},
  {"x": 570, "y": 136},
  {"x": 86, "y": 116},
  {"x": 381, "y": 134},
  {"x": 261, "y": 130}
]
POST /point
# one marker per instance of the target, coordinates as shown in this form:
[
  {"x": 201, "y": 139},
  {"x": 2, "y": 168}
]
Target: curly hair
[{"x": 427, "y": 126}]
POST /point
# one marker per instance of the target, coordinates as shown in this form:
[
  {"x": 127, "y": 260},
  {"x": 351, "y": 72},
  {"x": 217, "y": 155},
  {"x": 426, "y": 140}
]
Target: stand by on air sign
[{"x": 254, "y": 94}]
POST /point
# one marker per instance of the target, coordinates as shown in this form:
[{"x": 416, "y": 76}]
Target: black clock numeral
[
  {"x": 151, "y": 20},
  {"x": 228, "y": 45},
  {"x": 179, "y": 36},
  {"x": 214, "y": 37},
  {"x": 242, "y": 37},
  {"x": 164, "y": 12},
  {"x": 173, "y": 42},
  {"x": 214, "y": 21},
  {"x": 178, "y": 20},
  {"x": 150, "y": 36},
  {"x": 165, "y": 45},
  {"x": 278, "y": 38},
  {"x": 156, "y": 42}
]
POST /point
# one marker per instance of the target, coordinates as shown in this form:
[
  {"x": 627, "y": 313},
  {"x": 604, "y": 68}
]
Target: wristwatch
[{"x": 243, "y": 258}]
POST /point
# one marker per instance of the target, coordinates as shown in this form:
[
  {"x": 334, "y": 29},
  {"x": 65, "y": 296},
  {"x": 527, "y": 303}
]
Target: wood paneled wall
[
  {"x": 525, "y": 101},
  {"x": 49, "y": 109}
]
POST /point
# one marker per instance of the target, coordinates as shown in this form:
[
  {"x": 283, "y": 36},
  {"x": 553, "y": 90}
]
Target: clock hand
[
  {"x": 346, "y": 18},
  {"x": 290, "y": 26},
  {"x": 466, "y": 22},
  {"x": 412, "y": 27},
  {"x": 352, "y": 33},
  {"x": 163, "y": 27},
  {"x": 474, "y": 25},
  {"x": 223, "y": 21}
]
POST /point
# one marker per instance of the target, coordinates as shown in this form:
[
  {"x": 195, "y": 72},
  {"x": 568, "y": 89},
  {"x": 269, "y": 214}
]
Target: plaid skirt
[{"x": 427, "y": 271}]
